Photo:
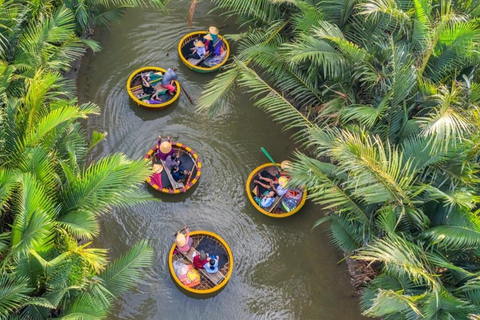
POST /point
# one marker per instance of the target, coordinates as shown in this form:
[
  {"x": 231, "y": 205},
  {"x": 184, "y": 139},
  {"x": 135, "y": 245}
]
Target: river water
[{"x": 282, "y": 269}]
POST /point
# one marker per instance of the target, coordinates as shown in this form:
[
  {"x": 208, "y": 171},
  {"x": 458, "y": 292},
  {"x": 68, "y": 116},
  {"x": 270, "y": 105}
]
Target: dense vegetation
[
  {"x": 383, "y": 95},
  {"x": 50, "y": 196}
]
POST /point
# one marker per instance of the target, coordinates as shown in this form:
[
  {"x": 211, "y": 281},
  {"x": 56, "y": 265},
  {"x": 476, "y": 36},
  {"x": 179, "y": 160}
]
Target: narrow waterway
[{"x": 283, "y": 269}]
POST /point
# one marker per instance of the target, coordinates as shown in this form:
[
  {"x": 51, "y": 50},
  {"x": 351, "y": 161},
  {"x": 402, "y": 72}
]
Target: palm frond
[
  {"x": 124, "y": 272},
  {"x": 14, "y": 292}
]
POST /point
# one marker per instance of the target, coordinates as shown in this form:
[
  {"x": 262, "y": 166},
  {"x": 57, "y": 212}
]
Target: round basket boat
[
  {"x": 207, "y": 64},
  {"x": 164, "y": 182},
  {"x": 281, "y": 207},
  {"x": 135, "y": 90},
  {"x": 208, "y": 282}
]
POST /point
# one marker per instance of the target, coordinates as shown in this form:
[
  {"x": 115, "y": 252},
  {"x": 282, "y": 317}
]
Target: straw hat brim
[
  {"x": 208, "y": 37},
  {"x": 199, "y": 43},
  {"x": 157, "y": 168},
  {"x": 180, "y": 240},
  {"x": 213, "y": 30},
  {"x": 165, "y": 147},
  {"x": 286, "y": 164}
]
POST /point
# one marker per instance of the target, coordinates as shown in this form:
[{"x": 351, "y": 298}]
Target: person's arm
[
  {"x": 187, "y": 233},
  {"x": 266, "y": 186}
]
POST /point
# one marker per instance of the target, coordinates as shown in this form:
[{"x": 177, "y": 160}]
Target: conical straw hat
[
  {"x": 208, "y": 37},
  {"x": 213, "y": 30},
  {"x": 165, "y": 147},
  {"x": 199, "y": 43},
  {"x": 180, "y": 240},
  {"x": 286, "y": 164},
  {"x": 157, "y": 168}
]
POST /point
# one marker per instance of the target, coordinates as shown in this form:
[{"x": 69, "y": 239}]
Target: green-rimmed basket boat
[
  {"x": 135, "y": 91},
  {"x": 276, "y": 210},
  {"x": 209, "y": 283},
  {"x": 198, "y": 65},
  {"x": 190, "y": 162}
]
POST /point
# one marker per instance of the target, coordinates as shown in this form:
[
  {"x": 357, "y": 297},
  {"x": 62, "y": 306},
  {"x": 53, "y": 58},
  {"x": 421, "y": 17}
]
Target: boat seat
[
  {"x": 175, "y": 184},
  {"x": 195, "y": 62},
  {"x": 216, "y": 278}
]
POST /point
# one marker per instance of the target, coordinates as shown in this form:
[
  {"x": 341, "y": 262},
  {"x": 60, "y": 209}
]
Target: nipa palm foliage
[
  {"x": 50, "y": 197},
  {"x": 383, "y": 96}
]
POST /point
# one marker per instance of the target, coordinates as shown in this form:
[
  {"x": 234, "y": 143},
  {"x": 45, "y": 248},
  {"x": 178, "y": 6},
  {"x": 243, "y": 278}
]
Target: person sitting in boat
[
  {"x": 213, "y": 32},
  {"x": 198, "y": 51},
  {"x": 208, "y": 43},
  {"x": 164, "y": 148},
  {"x": 146, "y": 85},
  {"x": 183, "y": 241},
  {"x": 278, "y": 186},
  {"x": 169, "y": 79},
  {"x": 199, "y": 260},
  {"x": 179, "y": 174},
  {"x": 172, "y": 160},
  {"x": 212, "y": 265}
]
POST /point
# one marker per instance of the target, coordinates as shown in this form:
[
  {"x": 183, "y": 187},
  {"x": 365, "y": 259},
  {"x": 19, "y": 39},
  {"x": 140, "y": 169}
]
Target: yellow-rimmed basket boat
[
  {"x": 135, "y": 91},
  {"x": 276, "y": 210},
  {"x": 190, "y": 162},
  {"x": 198, "y": 65},
  {"x": 209, "y": 283}
]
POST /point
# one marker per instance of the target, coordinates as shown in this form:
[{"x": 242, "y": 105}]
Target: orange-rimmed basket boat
[
  {"x": 276, "y": 210},
  {"x": 190, "y": 162},
  {"x": 135, "y": 91},
  {"x": 209, "y": 283},
  {"x": 198, "y": 65}
]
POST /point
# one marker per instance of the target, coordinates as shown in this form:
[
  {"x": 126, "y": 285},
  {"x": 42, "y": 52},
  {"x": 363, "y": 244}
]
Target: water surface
[{"x": 283, "y": 270}]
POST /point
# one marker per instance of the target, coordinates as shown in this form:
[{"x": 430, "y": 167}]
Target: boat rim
[
  {"x": 265, "y": 212},
  {"x": 148, "y": 105},
  {"x": 217, "y": 287},
  {"x": 185, "y": 61},
  {"x": 193, "y": 181}
]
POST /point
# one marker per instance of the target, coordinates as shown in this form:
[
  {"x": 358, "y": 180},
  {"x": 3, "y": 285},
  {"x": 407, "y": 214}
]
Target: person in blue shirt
[
  {"x": 198, "y": 50},
  {"x": 168, "y": 80},
  {"x": 212, "y": 265},
  {"x": 179, "y": 174}
]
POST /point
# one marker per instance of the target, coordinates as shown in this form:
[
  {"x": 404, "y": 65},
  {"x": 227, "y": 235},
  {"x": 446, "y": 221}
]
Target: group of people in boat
[
  {"x": 155, "y": 90},
  {"x": 167, "y": 155},
  {"x": 201, "y": 260},
  {"x": 269, "y": 187},
  {"x": 211, "y": 46}
]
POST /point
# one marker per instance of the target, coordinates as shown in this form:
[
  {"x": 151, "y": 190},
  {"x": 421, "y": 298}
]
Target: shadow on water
[{"x": 282, "y": 269}]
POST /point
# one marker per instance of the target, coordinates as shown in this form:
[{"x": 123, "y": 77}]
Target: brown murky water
[{"x": 283, "y": 270}]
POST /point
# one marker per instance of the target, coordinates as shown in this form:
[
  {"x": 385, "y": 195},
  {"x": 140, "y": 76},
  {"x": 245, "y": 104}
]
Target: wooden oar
[
  {"x": 186, "y": 93},
  {"x": 175, "y": 234},
  {"x": 271, "y": 159}
]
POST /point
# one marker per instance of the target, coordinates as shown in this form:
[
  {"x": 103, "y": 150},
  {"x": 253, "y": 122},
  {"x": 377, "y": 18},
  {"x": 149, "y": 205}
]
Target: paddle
[
  {"x": 188, "y": 96},
  {"x": 181, "y": 230},
  {"x": 271, "y": 160}
]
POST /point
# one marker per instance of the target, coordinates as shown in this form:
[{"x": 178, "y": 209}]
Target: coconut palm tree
[
  {"x": 384, "y": 97},
  {"x": 50, "y": 197}
]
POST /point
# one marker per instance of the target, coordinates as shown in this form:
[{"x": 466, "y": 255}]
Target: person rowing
[{"x": 164, "y": 148}]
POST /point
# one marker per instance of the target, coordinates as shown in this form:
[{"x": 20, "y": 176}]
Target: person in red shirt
[{"x": 200, "y": 259}]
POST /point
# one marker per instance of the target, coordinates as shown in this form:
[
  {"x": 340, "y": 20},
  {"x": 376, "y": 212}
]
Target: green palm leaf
[
  {"x": 14, "y": 292},
  {"x": 124, "y": 272}
]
